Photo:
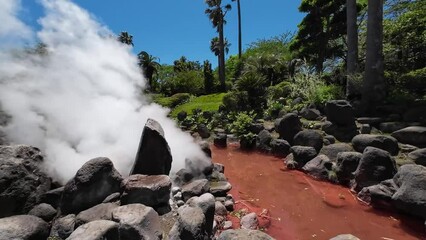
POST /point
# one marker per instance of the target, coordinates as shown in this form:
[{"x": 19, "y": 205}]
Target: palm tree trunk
[
  {"x": 352, "y": 41},
  {"x": 240, "y": 41},
  {"x": 221, "y": 58},
  {"x": 373, "y": 87}
]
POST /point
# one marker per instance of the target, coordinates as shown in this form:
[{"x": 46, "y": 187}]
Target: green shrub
[
  {"x": 326, "y": 93},
  {"x": 236, "y": 101},
  {"x": 242, "y": 123},
  {"x": 279, "y": 90},
  {"x": 414, "y": 81},
  {"x": 178, "y": 99},
  {"x": 188, "y": 81},
  {"x": 304, "y": 85},
  {"x": 274, "y": 108}
]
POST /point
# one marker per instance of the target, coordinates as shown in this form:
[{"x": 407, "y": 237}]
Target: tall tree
[
  {"x": 321, "y": 31},
  {"x": 216, "y": 13},
  {"x": 373, "y": 87},
  {"x": 352, "y": 43},
  {"x": 215, "y": 46},
  {"x": 149, "y": 66},
  {"x": 240, "y": 41},
  {"x": 125, "y": 38},
  {"x": 208, "y": 77}
]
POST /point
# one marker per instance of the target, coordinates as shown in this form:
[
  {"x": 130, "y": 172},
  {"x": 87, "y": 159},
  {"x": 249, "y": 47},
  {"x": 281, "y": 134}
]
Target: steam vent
[{"x": 153, "y": 156}]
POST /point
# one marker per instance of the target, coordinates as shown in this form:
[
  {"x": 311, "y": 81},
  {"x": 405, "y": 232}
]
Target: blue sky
[{"x": 169, "y": 29}]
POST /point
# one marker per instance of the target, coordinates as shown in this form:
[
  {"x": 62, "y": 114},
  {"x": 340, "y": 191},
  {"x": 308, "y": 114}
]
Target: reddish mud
[{"x": 300, "y": 207}]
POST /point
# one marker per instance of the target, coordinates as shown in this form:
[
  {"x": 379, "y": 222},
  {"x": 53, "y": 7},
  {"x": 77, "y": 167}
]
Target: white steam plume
[{"x": 83, "y": 99}]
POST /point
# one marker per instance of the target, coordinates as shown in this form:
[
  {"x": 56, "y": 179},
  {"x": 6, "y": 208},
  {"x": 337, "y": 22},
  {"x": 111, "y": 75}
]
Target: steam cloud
[{"x": 81, "y": 100}]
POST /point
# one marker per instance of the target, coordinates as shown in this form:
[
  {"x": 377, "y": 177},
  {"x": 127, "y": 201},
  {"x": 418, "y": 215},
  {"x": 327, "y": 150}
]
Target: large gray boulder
[
  {"x": 23, "y": 227},
  {"x": 341, "y": 133},
  {"x": 93, "y": 182},
  {"x": 263, "y": 141},
  {"x": 102, "y": 211},
  {"x": 415, "y": 135},
  {"x": 151, "y": 190},
  {"x": 387, "y": 143},
  {"x": 99, "y": 229},
  {"x": 390, "y": 127},
  {"x": 249, "y": 221},
  {"x": 220, "y": 188},
  {"x": 190, "y": 225},
  {"x": 288, "y": 126},
  {"x": 411, "y": 194},
  {"x": 245, "y": 234},
  {"x": 137, "y": 221},
  {"x": 310, "y": 138},
  {"x": 280, "y": 147},
  {"x": 418, "y": 156},
  {"x": 207, "y": 204},
  {"x": 380, "y": 195},
  {"x": 320, "y": 167},
  {"x": 302, "y": 154},
  {"x": 347, "y": 163},
  {"x": 340, "y": 112},
  {"x": 195, "y": 188},
  {"x": 376, "y": 165},
  {"x": 22, "y": 183},
  {"x": 153, "y": 156},
  {"x": 43, "y": 211},
  {"x": 63, "y": 227},
  {"x": 332, "y": 150}
]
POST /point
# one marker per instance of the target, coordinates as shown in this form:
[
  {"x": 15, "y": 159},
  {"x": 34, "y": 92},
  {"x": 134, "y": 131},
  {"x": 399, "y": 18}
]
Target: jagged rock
[
  {"x": 302, "y": 154},
  {"x": 152, "y": 191},
  {"x": 218, "y": 176},
  {"x": 310, "y": 113},
  {"x": 102, "y": 211},
  {"x": 99, "y": 229},
  {"x": 372, "y": 121},
  {"x": 319, "y": 167},
  {"x": 219, "y": 167},
  {"x": 93, "y": 182},
  {"x": 332, "y": 150},
  {"x": 390, "y": 127},
  {"x": 52, "y": 197},
  {"x": 244, "y": 234},
  {"x": 380, "y": 195},
  {"x": 137, "y": 221},
  {"x": 227, "y": 225},
  {"x": 220, "y": 188},
  {"x": 220, "y": 140},
  {"x": 341, "y": 133},
  {"x": 112, "y": 198},
  {"x": 63, "y": 227},
  {"x": 195, "y": 188},
  {"x": 280, "y": 147},
  {"x": 182, "y": 177},
  {"x": 415, "y": 135},
  {"x": 177, "y": 196},
  {"x": 153, "y": 156},
  {"x": 22, "y": 183},
  {"x": 249, "y": 221},
  {"x": 43, "y": 211},
  {"x": 345, "y": 237},
  {"x": 203, "y": 131},
  {"x": 365, "y": 129},
  {"x": 411, "y": 194},
  {"x": 220, "y": 209},
  {"x": 418, "y": 156},
  {"x": 263, "y": 141},
  {"x": 206, "y": 203},
  {"x": 376, "y": 165},
  {"x": 205, "y": 147},
  {"x": 256, "y": 128},
  {"x": 288, "y": 126},
  {"x": 291, "y": 163},
  {"x": 23, "y": 227},
  {"x": 247, "y": 143},
  {"x": 310, "y": 138},
  {"x": 387, "y": 143},
  {"x": 347, "y": 163},
  {"x": 340, "y": 112},
  {"x": 199, "y": 167},
  {"x": 331, "y": 139},
  {"x": 191, "y": 225},
  {"x": 229, "y": 205}
]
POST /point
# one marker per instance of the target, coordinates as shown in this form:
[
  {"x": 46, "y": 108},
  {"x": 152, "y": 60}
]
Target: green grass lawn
[{"x": 205, "y": 103}]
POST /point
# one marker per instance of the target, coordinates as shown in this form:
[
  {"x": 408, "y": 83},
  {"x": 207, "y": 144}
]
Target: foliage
[
  {"x": 280, "y": 90},
  {"x": 304, "y": 85},
  {"x": 149, "y": 66},
  {"x": 215, "y": 46},
  {"x": 183, "y": 65},
  {"x": 326, "y": 93},
  {"x": 208, "y": 77},
  {"x": 270, "y": 66},
  {"x": 125, "y": 38},
  {"x": 205, "y": 103},
  {"x": 190, "y": 82},
  {"x": 273, "y": 110},
  {"x": 278, "y": 45},
  {"x": 255, "y": 86},
  {"x": 236, "y": 101},
  {"x": 414, "y": 81},
  {"x": 172, "y": 101},
  {"x": 242, "y": 123}
]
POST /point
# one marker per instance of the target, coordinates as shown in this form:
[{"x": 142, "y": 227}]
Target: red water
[{"x": 303, "y": 208}]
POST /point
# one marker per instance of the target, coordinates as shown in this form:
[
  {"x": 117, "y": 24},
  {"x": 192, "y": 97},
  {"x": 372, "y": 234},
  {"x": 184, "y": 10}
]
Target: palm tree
[
  {"x": 373, "y": 87},
  {"x": 215, "y": 47},
  {"x": 216, "y": 13},
  {"x": 352, "y": 42},
  {"x": 240, "y": 41},
  {"x": 125, "y": 38},
  {"x": 148, "y": 65}
]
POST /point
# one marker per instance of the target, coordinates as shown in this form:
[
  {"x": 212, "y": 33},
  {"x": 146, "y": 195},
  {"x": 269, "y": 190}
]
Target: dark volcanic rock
[
  {"x": 380, "y": 195},
  {"x": 153, "y": 156},
  {"x": 332, "y": 150},
  {"x": 341, "y": 133},
  {"x": 418, "y": 156},
  {"x": 347, "y": 163},
  {"x": 411, "y": 135},
  {"x": 310, "y": 113},
  {"x": 340, "y": 112},
  {"x": 23, "y": 227},
  {"x": 319, "y": 167},
  {"x": 207, "y": 203},
  {"x": 220, "y": 140},
  {"x": 191, "y": 225},
  {"x": 137, "y": 221},
  {"x": 43, "y": 211},
  {"x": 387, "y": 143},
  {"x": 151, "y": 190},
  {"x": 280, "y": 147},
  {"x": 99, "y": 229},
  {"x": 102, "y": 211},
  {"x": 288, "y": 127},
  {"x": 52, "y": 197},
  {"x": 22, "y": 183},
  {"x": 93, "y": 182},
  {"x": 263, "y": 141},
  {"x": 220, "y": 188},
  {"x": 302, "y": 154},
  {"x": 310, "y": 138},
  {"x": 183, "y": 177},
  {"x": 203, "y": 131},
  {"x": 244, "y": 234},
  {"x": 205, "y": 147},
  {"x": 376, "y": 165},
  {"x": 63, "y": 227},
  {"x": 182, "y": 115},
  {"x": 390, "y": 127},
  {"x": 195, "y": 188}
]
